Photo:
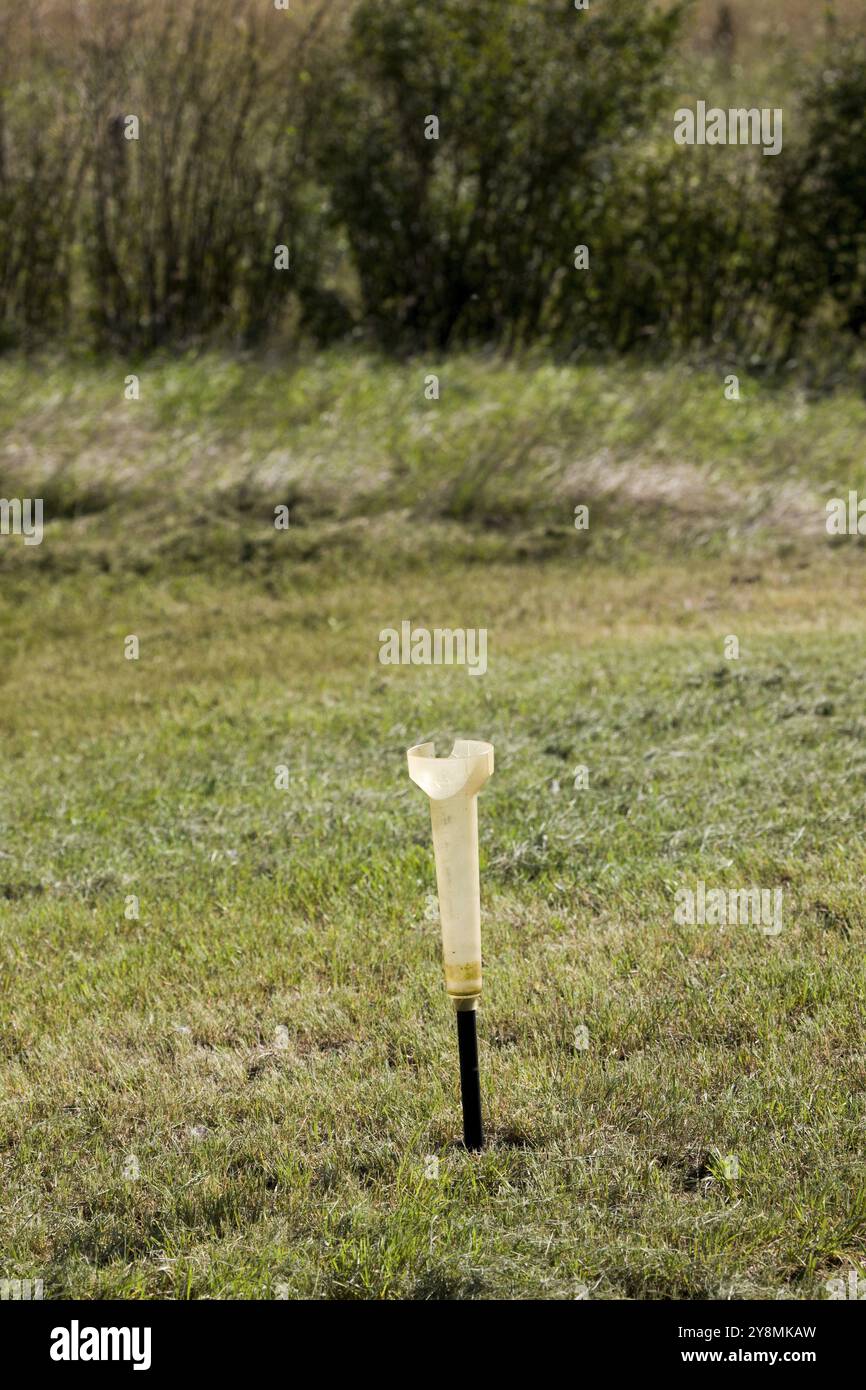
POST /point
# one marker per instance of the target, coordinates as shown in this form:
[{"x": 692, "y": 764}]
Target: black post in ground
[{"x": 470, "y": 1084}]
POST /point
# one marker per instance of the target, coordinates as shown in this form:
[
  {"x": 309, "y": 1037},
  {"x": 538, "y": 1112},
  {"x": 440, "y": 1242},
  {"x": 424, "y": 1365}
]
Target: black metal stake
[{"x": 470, "y": 1084}]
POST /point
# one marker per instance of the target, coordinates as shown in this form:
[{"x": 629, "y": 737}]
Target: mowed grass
[{"x": 240, "y": 1092}]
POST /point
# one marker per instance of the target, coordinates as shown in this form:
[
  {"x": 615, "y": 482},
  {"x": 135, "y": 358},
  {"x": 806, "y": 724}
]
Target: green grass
[
  {"x": 189, "y": 475},
  {"x": 270, "y": 1039}
]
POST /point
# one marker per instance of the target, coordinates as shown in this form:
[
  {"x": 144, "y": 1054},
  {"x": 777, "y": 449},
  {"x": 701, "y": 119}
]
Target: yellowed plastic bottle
[{"x": 453, "y": 784}]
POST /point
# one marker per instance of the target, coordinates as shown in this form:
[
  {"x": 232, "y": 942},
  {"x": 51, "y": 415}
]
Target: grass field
[{"x": 239, "y": 1092}]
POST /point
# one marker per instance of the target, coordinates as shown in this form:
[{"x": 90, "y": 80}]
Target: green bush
[
  {"x": 41, "y": 169},
  {"x": 462, "y": 237},
  {"x": 682, "y": 244},
  {"x": 824, "y": 205}
]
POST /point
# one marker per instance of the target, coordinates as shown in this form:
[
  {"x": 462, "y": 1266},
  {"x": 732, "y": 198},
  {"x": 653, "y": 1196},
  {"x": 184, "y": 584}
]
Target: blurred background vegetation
[{"x": 261, "y": 127}]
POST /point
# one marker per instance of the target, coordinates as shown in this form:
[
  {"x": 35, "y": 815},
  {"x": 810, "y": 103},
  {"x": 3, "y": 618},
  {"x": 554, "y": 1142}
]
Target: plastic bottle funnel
[{"x": 453, "y": 784}]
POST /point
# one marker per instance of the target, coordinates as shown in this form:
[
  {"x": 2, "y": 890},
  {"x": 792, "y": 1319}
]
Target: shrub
[
  {"x": 683, "y": 242},
  {"x": 41, "y": 168},
  {"x": 824, "y": 205},
  {"x": 461, "y": 238},
  {"x": 180, "y": 221}
]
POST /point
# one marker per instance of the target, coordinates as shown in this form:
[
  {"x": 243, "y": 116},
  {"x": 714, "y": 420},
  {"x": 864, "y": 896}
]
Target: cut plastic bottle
[{"x": 453, "y": 784}]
